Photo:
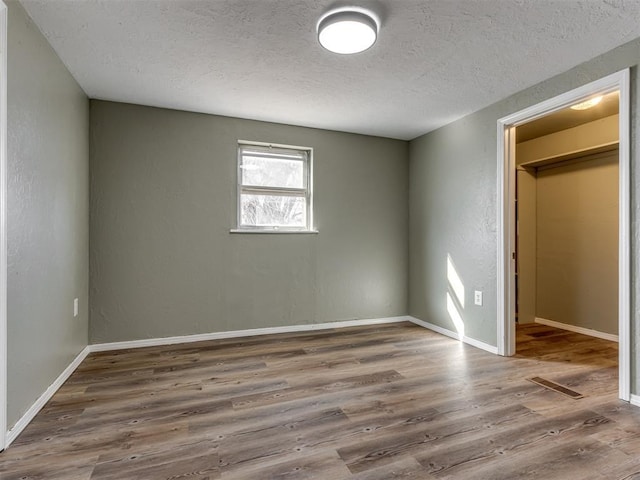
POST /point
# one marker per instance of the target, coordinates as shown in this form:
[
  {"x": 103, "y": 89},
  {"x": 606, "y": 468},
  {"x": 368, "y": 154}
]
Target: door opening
[{"x": 514, "y": 288}]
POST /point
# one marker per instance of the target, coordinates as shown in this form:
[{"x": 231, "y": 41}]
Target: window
[{"x": 274, "y": 188}]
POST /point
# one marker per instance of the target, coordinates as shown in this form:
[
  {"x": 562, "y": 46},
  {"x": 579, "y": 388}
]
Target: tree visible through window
[{"x": 274, "y": 187}]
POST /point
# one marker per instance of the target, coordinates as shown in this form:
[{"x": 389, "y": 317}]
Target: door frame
[
  {"x": 506, "y": 227},
  {"x": 3, "y": 224}
]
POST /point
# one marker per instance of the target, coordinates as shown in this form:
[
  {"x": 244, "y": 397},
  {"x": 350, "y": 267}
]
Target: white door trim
[
  {"x": 3, "y": 224},
  {"x": 506, "y": 216}
]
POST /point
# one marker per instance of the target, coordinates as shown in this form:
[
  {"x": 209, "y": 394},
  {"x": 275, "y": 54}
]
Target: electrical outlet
[
  {"x": 75, "y": 307},
  {"x": 477, "y": 298}
]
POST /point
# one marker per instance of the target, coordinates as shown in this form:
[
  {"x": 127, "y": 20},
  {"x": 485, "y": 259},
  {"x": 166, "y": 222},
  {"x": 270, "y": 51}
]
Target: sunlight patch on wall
[
  {"x": 454, "y": 281},
  {"x": 455, "y": 297},
  {"x": 455, "y": 316}
]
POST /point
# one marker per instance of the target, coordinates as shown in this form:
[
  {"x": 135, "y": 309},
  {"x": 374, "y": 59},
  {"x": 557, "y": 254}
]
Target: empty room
[{"x": 314, "y": 239}]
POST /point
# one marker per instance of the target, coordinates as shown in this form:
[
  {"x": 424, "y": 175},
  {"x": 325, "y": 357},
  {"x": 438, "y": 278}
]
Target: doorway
[
  {"x": 509, "y": 303},
  {"x": 567, "y": 219}
]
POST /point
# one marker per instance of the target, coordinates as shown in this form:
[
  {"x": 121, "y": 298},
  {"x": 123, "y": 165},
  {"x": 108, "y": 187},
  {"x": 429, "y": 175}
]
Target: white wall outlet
[
  {"x": 75, "y": 307},
  {"x": 477, "y": 298}
]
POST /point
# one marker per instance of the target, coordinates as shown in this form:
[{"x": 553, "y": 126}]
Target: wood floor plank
[
  {"x": 405, "y": 469},
  {"x": 387, "y": 402},
  {"x": 388, "y": 445},
  {"x": 316, "y": 466},
  {"x": 284, "y": 395},
  {"x": 466, "y": 452},
  {"x": 194, "y": 460}
]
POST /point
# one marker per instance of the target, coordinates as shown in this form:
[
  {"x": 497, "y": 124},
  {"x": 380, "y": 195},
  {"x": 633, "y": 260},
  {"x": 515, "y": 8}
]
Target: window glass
[
  {"x": 274, "y": 188},
  {"x": 272, "y": 172},
  {"x": 273, "y": 211}
]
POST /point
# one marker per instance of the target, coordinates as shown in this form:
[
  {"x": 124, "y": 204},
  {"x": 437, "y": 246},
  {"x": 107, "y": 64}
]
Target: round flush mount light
[
  {"x": 347, "y": 31},
  {"x": 592, "y": 102}
]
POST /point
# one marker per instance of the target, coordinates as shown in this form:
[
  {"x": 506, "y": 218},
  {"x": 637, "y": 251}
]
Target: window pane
[
  {"x": 272, "y": 172},
  {"x": 273, "y": 211}
]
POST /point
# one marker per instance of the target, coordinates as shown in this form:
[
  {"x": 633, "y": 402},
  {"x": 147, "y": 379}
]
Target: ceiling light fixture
[
  {"x": 592, "y": 102},
  {"x": 347, "y": 31}
]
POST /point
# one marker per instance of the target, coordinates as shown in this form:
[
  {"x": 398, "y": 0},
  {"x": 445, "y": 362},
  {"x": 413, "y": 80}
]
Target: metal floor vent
[{"x": 556, "y": 387}]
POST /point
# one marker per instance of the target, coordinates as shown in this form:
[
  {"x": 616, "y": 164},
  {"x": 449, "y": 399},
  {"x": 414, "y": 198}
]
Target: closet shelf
[{"x": 575, "y": 154}]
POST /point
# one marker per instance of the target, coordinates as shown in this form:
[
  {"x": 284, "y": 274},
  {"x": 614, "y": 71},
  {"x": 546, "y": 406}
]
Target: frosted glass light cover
[{"x": 347, "y": 32}]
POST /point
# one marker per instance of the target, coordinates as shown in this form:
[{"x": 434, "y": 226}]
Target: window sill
[{"x": 276, "y": 232}]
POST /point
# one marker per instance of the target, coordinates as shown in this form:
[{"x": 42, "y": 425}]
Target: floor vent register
[{"x": 556, "y": 387}]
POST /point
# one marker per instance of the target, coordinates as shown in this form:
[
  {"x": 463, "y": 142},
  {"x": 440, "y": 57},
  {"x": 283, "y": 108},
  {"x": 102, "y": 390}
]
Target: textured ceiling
[{"x": 435, "y": 61}]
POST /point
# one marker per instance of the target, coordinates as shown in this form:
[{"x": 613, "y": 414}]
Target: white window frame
[{"x": 306, "y": 192}]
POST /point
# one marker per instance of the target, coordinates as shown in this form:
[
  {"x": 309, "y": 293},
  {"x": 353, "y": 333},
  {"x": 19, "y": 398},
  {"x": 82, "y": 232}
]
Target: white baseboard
[
  {"x": 573, "y": 328},
  {"x": 44, "y": 398},
  {"x": 154, "y": 342},
  {"x": 635, "y": 400},
  {"x": 463, "y": 338}
]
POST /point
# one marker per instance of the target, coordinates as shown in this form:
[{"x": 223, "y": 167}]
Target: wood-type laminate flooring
[{"x": 378, "y": 403}]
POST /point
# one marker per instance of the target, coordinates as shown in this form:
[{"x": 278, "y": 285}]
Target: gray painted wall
[
  {"x": 452, "y": 212},
  {"x": 453, "y": 192},
  {"x": 577, "y": 243},
  {"x": 48, "y": 199},
  {"x": 163, "y": 198}
]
